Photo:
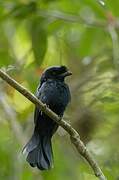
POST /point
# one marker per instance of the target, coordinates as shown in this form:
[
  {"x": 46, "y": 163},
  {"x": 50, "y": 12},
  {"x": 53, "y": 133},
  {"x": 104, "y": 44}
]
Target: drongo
[{"x": 53, "y": 92}]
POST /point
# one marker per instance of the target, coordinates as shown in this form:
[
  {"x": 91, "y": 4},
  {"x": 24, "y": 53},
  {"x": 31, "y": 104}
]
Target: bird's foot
[
  {"x": 60, "y": 117},
  {"x": 45, "y": 106}
]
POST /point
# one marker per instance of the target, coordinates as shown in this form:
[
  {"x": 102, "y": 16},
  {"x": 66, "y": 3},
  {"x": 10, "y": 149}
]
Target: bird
[{"x": 55, "y": 94}]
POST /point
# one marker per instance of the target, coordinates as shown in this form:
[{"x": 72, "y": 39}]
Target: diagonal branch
[{"x": 75, "y": 138}]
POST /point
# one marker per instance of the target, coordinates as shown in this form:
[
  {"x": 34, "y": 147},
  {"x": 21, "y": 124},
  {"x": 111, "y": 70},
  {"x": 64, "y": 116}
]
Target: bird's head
[{"x": 56, "y": 73}]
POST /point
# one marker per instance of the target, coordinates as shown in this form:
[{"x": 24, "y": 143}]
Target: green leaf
[
  {"x": 23, "y": 10},
  {"x": 5, "y": 54},
  {"x": 113, "y": 6},
  {"x": 108, "y": 99},
  {"x": 39, "y": 40},
  {"x": 105, "y": 65},
  {"x": 96, "y": 7},
  {"x": 5, "y": 58}
]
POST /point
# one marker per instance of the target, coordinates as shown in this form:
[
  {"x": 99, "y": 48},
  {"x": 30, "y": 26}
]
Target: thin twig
[
  {"x": 72, "y": 18},
  {"x": 115, "y": 45},
  {"x": 75, "y": 138}
]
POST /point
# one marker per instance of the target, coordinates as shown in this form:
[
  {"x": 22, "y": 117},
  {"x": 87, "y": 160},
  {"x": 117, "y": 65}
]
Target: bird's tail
[{"x": 39, "y": 151}]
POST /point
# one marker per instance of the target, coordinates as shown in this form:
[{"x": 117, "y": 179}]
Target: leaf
[
  {"x": 23, "y": 10},
  {"x": 108, "y": 99},
  {"x": 39, "y": 40},
  {"x": 96, "y": 7},
  {"x": 5, "y": 58},
  {"x": 105, "y": 65},
  {"x": 113, "y": 6}
]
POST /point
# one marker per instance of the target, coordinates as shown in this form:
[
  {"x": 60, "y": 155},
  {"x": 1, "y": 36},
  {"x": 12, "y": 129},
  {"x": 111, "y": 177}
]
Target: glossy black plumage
[{"x": 55, "y": 94}]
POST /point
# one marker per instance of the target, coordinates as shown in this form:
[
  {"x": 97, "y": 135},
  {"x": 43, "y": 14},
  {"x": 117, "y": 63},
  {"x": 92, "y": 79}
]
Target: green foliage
[
  {"x": 84, "y": 35},
  {"x": 39, "y": 39}
]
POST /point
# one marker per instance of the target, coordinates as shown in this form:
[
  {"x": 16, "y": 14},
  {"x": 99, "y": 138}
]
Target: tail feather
[
  {"x": 32, "y": 157},
  {"x": 32, "y": 144},
  {"x": 47, "y": 150},
  {"x": 39, "y": 152}
]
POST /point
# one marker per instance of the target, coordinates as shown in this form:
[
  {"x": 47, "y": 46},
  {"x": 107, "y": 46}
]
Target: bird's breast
[{"x": 56, "y": 95}]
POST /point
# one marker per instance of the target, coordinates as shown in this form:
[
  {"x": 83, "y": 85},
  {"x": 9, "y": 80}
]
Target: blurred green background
[{"x": 83, "y": 35}]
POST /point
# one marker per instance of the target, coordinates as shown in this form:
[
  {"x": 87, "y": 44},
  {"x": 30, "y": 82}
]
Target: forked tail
[{"x": 39, "y": 152}]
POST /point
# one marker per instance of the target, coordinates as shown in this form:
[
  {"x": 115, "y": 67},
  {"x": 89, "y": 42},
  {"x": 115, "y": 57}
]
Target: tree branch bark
[{"x": 74, "y": 136}]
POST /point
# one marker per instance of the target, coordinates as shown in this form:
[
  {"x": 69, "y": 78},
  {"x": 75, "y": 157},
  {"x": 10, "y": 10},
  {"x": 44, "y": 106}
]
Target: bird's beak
[{"x": 68, "y": 73}]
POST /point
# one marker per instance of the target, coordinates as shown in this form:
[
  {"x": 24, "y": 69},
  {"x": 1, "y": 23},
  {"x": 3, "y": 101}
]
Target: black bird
[{"x": 56, "y": 95}]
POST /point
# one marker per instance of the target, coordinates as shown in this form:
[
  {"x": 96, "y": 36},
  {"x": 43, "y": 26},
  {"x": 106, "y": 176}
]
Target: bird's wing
[
  {"x": 55, "y": 95},
  {"x": 44, "y": 93}
]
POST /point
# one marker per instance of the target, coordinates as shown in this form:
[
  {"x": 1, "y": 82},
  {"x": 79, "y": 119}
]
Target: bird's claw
[
  {"x": 60, "y": 117},
  {"x": 45, "y": 106}
]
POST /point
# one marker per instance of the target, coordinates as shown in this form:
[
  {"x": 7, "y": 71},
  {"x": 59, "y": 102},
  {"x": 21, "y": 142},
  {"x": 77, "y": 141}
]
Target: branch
[
  {"x": 115, "y": 45},
  {"x": 71, "y": 18},
  {"x": 75, "y": 138}
]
